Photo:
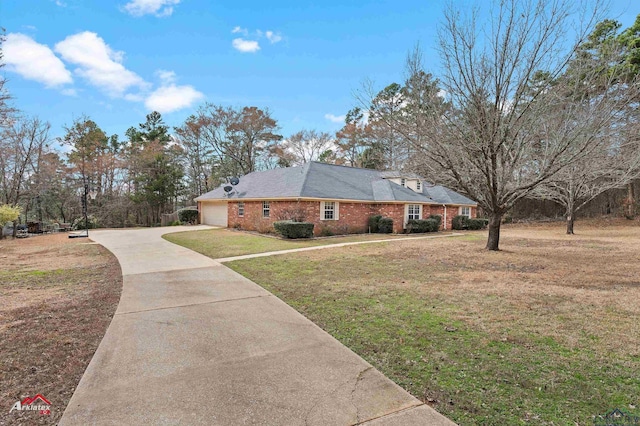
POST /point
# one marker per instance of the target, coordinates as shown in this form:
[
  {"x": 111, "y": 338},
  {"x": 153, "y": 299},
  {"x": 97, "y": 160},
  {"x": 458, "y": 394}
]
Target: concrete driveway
[{"x": 193, "y": 342}]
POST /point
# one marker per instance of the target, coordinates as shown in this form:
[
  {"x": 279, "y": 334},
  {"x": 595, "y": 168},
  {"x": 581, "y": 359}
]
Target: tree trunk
[
  {"x": 630, "y": 213},
  {"x": 495, "y": 220},
  {"x": 570, "y": 219}
]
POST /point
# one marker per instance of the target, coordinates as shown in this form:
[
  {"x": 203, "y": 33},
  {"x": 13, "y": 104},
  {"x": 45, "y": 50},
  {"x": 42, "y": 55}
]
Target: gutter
[{"x": 444, "y": 222}]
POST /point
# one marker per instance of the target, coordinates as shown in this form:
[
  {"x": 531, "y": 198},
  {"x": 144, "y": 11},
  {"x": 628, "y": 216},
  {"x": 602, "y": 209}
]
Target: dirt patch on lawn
[{"x": 58, "y": 297}]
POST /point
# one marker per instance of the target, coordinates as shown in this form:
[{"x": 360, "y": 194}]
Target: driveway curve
[{"x": 193, "y": 342}]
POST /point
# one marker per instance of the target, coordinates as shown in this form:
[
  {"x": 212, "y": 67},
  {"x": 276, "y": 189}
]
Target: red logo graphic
[{"x": 37, "y": 403}]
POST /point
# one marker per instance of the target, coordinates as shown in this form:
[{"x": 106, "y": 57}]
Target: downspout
[{"x": 444, "y": 223}]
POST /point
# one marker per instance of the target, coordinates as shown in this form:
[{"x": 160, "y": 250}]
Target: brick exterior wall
[
  {"x": 394, "y": 211},
  {"x": 452, "y": 211},
  {"x": 352, "y": 217}
]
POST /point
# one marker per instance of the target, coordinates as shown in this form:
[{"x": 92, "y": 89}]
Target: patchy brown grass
[
  {"x": 546, "y": 331},
  {"x": 58, "y": 297},
  {"x": 221, "y": 243}
]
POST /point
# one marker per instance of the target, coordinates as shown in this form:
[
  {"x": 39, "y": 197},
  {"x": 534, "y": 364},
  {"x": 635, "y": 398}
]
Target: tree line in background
[{"x": 520, "y": 112}]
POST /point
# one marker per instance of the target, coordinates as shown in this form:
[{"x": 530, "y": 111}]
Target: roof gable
[
  {"x": 274, "y": 183},
  {"x": 445, "y": 195}
]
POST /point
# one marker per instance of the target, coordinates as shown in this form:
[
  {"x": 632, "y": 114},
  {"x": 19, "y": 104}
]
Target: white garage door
[{"x": 214, "y": 214}]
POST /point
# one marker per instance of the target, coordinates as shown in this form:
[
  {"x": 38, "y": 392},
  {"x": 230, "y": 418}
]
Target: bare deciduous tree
[
  {"x": 401, "y": 116},
  {"x": 198, "y": 154},
  {"x": 574, "y": 186},
  {"x": 614, "y": 158},
  {"x": 241, "y": 139},
  {"x": 22, "y": 146},
  {"x": 497, "y": 144},
  {"x": 6, "y": 110},
  {"x": 306, "y": 145}
]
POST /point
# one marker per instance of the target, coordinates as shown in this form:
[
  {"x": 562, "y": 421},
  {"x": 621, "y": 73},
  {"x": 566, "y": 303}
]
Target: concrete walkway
[
  {"x": 195, "y": 343},
  {"x": 354, "y": 243}
]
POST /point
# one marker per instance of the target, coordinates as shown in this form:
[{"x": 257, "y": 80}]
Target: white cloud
[
  {"x": 272, "y": 37},
  {"x": 253, "y": 46},
  {"x": 166, "y": 77},
  {"x": 34, "y": 61},
  {"x": 335, "y": 118},
  {"x": 99, "y": 64},
  {"x": 60, "y": 3},
  {"x": 171, "y": 98},
  {"x": 159, "y": 8},
  {"x": 246, "y": 46},
  {"x": 238, "y": 29}
]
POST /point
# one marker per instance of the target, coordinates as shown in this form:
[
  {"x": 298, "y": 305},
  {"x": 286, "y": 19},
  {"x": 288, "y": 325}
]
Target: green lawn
[
  {"x": 544, "y": 332},
  {"x": 220, "y": 243}
]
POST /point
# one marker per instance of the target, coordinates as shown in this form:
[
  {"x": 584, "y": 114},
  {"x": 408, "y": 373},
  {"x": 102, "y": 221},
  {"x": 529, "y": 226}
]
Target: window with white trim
[
  {"x": 328, "y": 210},
  {"x": 241, "y": 209},
  {"x": 465, "y": 211},
  {"x": 418, "y": 186},
  {"x": 266, "y": 209},
  {"x": 413, "y": 212},
  {"x": 403, "y": 182}
]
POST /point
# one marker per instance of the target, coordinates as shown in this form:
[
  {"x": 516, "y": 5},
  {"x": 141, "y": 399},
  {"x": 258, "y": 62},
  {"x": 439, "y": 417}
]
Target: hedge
[
  {"x": 291, "y": 229},
  {"x": 385, "y": 225},
  {"x": 437, "y": 218},
  {"x": 423, "y": 225},
  {"x": 474, "y": 224},
  {"x": 373, "y": 223},
  {"x": 459, "y": 222},
  {"x": 188, "y": 216},
  {"x": 463, "y": 222}
]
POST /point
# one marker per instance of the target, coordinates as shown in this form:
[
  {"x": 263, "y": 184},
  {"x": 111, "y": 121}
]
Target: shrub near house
[
  {"x": 385, "y": 225},
  {"x": 188, "y": 216},
  {"x": 291, "y": 229},
  {"x": 463, "y": 222},
  {"x": 373, "y": 223},
  {"x": 421, "y": 226}
]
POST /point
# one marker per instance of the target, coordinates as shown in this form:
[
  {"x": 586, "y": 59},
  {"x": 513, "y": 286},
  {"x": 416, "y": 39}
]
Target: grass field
[
  {"x": 58, "y": 296},
  {"x": 220, "y": 243},
  {"x": 546, "y": 331}
]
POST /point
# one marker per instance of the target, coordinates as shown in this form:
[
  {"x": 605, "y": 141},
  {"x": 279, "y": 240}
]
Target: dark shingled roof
[
  {"x": 444, "y": 195},
  {"x": 329, "y": 181}
]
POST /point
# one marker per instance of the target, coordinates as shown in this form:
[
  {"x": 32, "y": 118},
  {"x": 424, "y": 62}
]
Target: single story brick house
[{"x": 337, "y": 199}]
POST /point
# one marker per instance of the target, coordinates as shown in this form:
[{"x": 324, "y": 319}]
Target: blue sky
[{"x": 115, "y": 61}]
